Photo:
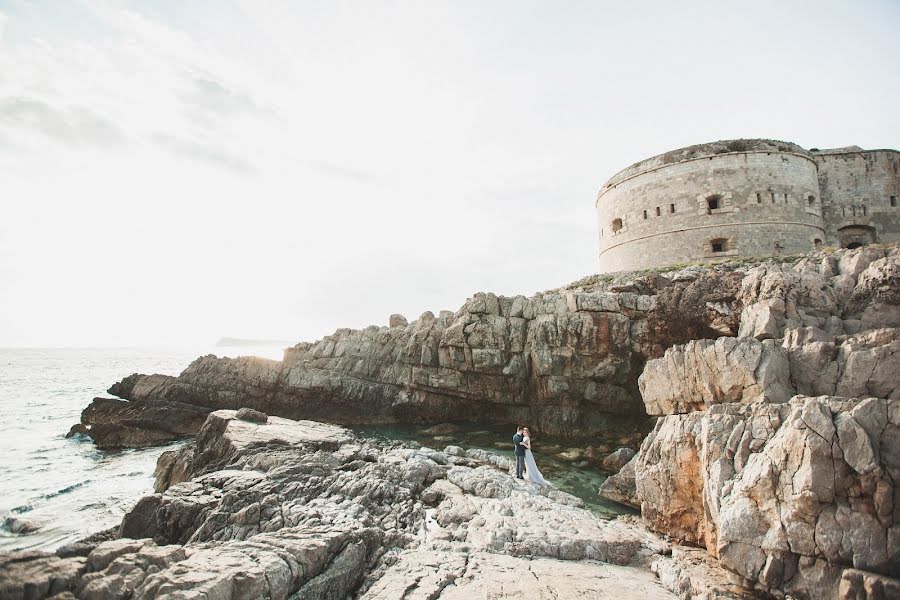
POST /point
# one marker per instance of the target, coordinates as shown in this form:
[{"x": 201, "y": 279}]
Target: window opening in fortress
[
  {"x": 811, "y": 200},
  {"x": 785, "y": 199},
  {"x": 759, "y": 198},
  {"x": 718, "y": 245},
  {"x": 894, "y": 201},
  {"x": 672, "y": 206},
  {"x": 658, "y": 213},
  {"x": 817, "y": 243},
  {"x": 712, "y": 202},
  {"x": 645, "y": 214},
  {"x": 616, "y": 225},
  {"x": 773, "y": 197}
]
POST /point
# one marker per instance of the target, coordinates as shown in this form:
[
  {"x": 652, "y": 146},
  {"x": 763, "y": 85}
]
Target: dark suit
[{"x": 520, "y": 454}]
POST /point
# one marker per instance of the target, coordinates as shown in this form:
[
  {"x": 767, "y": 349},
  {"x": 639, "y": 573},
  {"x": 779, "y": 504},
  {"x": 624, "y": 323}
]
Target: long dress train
[{"x": 532, "y": 473}]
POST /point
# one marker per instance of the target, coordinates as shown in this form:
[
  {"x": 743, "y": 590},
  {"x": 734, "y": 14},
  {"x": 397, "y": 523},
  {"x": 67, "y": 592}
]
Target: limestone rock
[
  {"x": 37, "y": 575},
  {"x": 695, "y": 575},
  {"x": 706, "y": 372},
  {"x": 254, "y": 416},
  {"x": 618, "y": 459},
  {"x": 397, "y": 320},
  {"x": 785, "y": 495},
  {"x": 118, "y": 424},
  {"x": 621, "y": 487},
  {"x": 860, "y": 585},
  {"x": 457, "y": 576}
]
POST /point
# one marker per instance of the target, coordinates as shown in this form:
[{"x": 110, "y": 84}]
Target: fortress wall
[
  {"x": 755, "y": 218},
  {"x": 856, "y": 191}
]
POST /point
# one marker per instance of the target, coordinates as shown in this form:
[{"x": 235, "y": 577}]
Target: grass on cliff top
[{"x": 604, "y": 279}]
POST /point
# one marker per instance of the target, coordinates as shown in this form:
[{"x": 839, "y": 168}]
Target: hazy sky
[{"x": 175, "y": 171}]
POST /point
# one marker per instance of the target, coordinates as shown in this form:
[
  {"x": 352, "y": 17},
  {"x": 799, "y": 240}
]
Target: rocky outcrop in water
[
  {"x": 560, "y": 361},
  {"x": 779, "y": 450},
  {"x": 307, "y": 510}
]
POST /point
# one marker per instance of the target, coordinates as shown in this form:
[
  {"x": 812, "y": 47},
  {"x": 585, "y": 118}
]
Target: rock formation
[
  {"x": 775, "y": 455},
  {"x": 560, "y": 361},
  {"x": 307, "y": 510},
  {"x": 778, "y": 450}
]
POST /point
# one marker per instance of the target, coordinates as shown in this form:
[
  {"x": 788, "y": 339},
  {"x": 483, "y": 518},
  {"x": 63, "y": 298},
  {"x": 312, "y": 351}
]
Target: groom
[{"x": 520, "y": 452}]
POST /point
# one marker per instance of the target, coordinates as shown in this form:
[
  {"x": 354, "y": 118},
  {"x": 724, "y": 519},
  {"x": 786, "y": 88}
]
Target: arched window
[
  {"x": 616, "y": 225},
  {"x": 817, "y": 243},
  {"x": 811, "y": 200},
  {"x": 718, "y": 245},
  {"x": 713, "y": 202}
]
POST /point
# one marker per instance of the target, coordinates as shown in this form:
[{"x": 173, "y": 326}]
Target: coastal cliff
[
  {"x": 561, "y": 361},
  {"x": 771, "y": 468},
  {"x": 778, "y": 450}
]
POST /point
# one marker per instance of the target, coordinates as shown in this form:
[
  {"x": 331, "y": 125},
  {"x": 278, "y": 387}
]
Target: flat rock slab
[
  {"x": 454, "y": 576},
  {"x": 245, "y": 433}
]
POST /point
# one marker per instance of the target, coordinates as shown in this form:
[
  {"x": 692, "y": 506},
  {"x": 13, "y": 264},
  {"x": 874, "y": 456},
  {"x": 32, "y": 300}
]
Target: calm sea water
[{"x": 67, "y": 488}]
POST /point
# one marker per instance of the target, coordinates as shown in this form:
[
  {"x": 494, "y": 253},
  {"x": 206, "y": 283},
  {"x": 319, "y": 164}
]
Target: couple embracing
[{"x": 525, "y": 459}]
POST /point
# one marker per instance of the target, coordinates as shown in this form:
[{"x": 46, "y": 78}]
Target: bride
[{"x": 532, "y": 473}]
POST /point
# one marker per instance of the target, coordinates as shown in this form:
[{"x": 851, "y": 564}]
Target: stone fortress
[{"x": 754, "y": 197}]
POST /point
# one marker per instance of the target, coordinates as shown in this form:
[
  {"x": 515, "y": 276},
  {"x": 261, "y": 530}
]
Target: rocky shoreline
[
  {"x": 771, "y": 470},
  {"x": 301, "y": 509}
]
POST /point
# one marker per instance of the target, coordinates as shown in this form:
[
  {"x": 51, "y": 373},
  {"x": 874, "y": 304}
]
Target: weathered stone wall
[
  {"x": 763, "y": 197},
  {"x": 769, "y": 198},
  {"x": 857, "y": 187}
]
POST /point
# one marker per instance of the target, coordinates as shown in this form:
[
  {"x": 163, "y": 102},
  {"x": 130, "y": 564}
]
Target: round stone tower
[{"x": 722, "y": 199}]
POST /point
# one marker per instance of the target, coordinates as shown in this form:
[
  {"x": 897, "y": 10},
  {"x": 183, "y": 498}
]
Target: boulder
[
  {"x": 397, "y": 320},
  {"x": 702, "y": 373},
  {"x": 618, "y": 459},
  {"x": 621, "y": 487},
  {"x": 254, "y": 416}
]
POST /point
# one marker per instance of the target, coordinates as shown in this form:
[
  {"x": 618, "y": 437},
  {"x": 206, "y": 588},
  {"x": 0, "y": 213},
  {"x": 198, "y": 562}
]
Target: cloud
[
  {"x": 73, "y": 125},
  {"x": 205, "y": 152},
  {"x": 210, "y": 93},
  {"x": 341, "y": 172}
]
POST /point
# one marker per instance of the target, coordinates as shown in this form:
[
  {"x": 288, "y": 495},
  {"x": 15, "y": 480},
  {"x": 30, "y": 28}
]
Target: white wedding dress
[{"x": 532, "y": 473}]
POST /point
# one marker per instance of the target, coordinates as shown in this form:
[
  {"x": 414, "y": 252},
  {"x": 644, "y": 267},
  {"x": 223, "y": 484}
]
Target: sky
[{"x": 176, "y": 171}]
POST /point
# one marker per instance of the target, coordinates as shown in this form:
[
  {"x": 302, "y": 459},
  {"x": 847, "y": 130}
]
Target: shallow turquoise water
[{"x": 557, "y": 458}]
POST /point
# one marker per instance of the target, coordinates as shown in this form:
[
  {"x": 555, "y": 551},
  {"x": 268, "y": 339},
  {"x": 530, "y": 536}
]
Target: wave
[{"x": 66, "y": 489}]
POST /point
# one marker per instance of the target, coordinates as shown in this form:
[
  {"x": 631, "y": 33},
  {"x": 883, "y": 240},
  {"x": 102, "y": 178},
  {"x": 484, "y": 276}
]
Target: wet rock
[
  {"x": 19, "y": 525},
  {"x": 119, "y": 424}
]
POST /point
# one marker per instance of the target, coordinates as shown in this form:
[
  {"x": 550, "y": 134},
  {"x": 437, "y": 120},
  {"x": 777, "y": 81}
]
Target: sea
[{"x": 55, "y": 490}]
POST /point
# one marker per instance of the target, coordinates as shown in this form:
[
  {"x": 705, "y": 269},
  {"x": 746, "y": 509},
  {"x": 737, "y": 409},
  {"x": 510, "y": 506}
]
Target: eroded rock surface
[
  {"x": 787, "y": 495},
  {"x": 559, "y": 361},
  {"x": 299, "y": 509}
]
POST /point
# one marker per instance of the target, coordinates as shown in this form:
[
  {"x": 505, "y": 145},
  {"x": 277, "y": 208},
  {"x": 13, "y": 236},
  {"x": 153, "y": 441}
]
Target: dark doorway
[{"x": 856, "y": 236}]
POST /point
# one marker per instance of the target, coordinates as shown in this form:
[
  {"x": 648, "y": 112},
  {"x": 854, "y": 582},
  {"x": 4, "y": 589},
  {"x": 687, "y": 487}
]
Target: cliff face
[
  {"x": 779, "y": 450},
  {"x": 559, "y": 361}
]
